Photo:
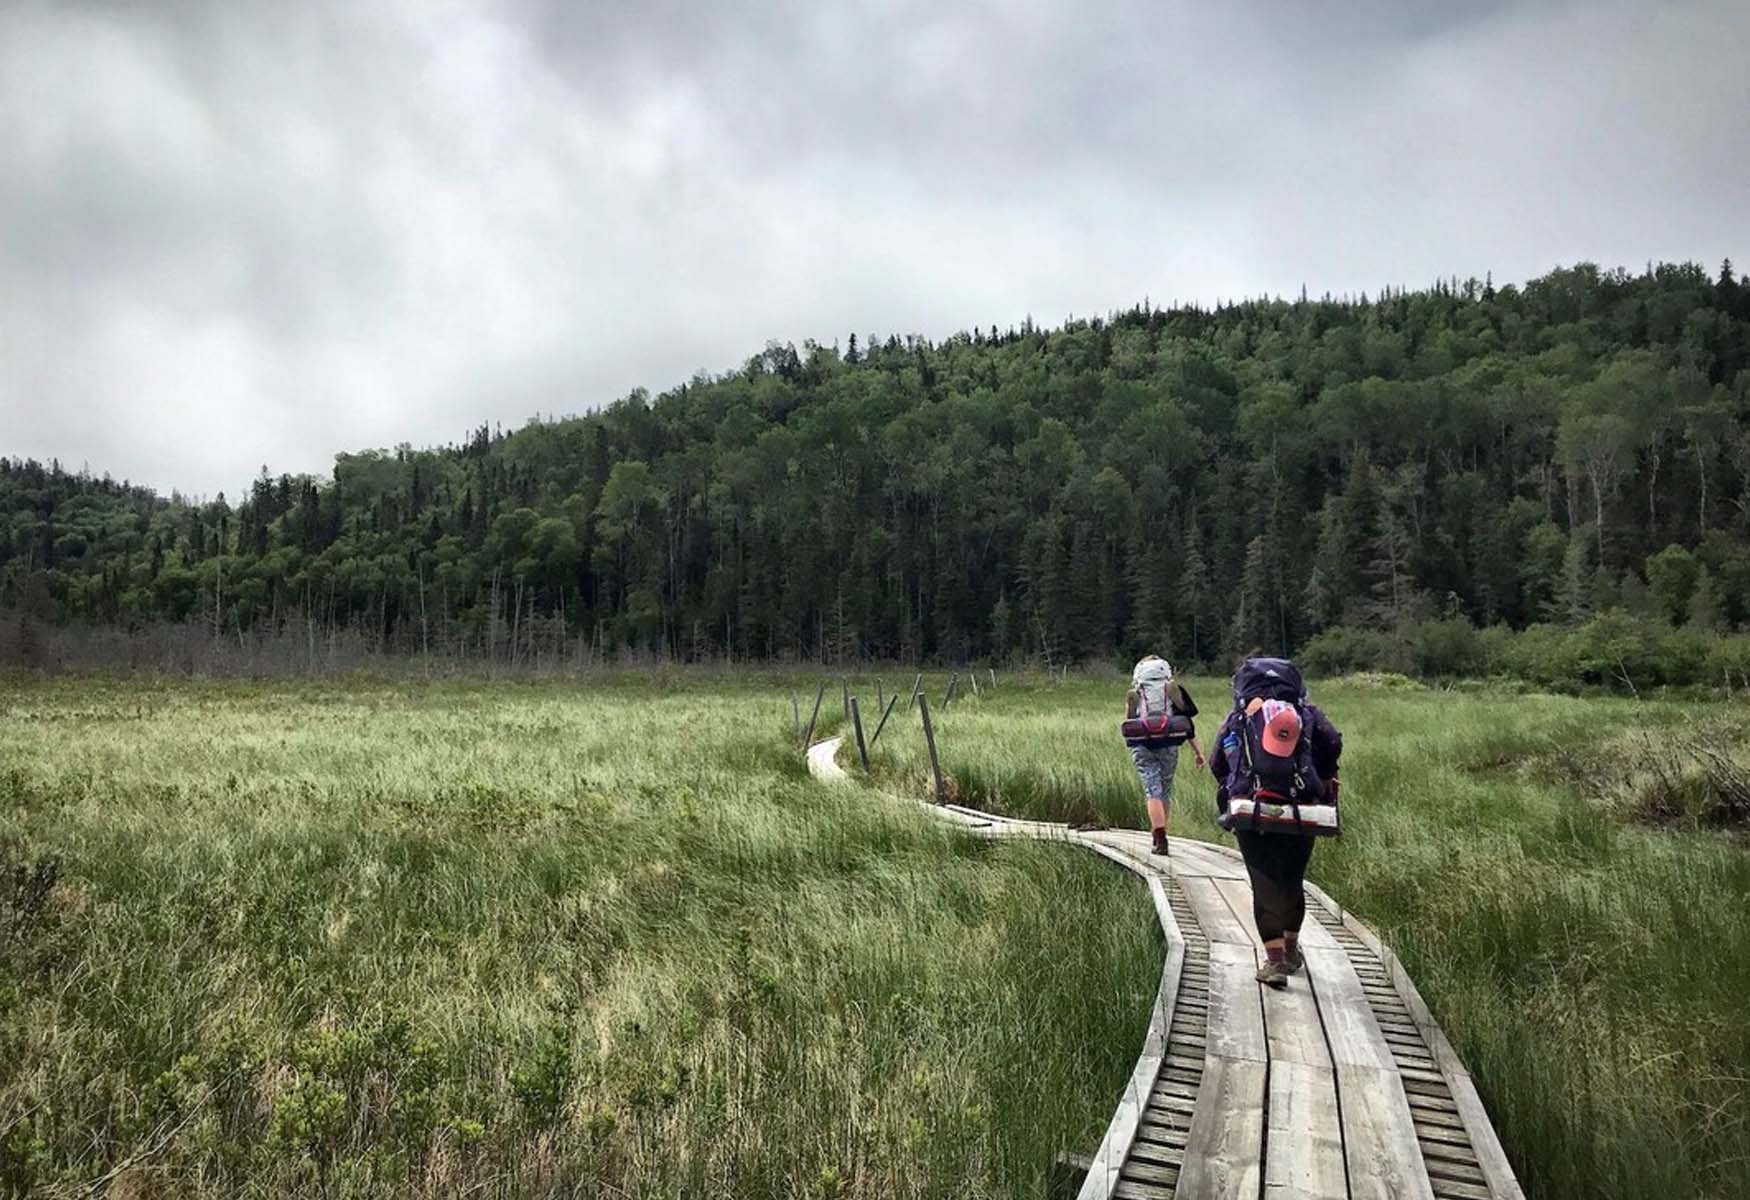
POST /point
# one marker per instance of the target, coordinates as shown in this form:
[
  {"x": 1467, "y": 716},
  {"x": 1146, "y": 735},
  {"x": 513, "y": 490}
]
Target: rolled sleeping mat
[{"x": 1275, "y": 816}]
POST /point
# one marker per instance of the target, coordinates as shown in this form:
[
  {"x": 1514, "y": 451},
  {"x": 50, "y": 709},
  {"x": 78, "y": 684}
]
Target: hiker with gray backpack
[
  {"x": 1159, "y": 717},
  {"x": 1275, "y": 766}
]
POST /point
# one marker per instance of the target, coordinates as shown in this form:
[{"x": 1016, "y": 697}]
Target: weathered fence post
[
  {"x": 917, "y": 688},
  {"x": 993, "y": 679},
  {"x": 880, "y": 697},
  {"x": 882, "y": 723},
  {"x": 948, "y": 696},
  {"x": 845, "y": 698},
  {"x": 930, "y": 740},
  {"x": 809, "y": 736},
  {"x": 973, "y": 675},
  {"x": 857, "y": 724},
  {"x": 795, "y": 715}
]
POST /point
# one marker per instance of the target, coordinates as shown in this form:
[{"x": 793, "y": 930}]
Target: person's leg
[
  {"x": 1270, "y": 901},
  {"x": 1295, "y": 857},
  {"x": 1148, "y": 769},
  {"x": 1168, "y": 757}
]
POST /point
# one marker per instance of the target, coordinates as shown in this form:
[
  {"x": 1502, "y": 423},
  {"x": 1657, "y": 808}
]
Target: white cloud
[{"x": 234, "y": 234}]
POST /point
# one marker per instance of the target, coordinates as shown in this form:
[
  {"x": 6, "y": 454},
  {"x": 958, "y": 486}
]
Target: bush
[
  {"x": 1446, "y": 648},
  {"x": 1344, "y": 648},
  {"x": 1615, "y": 650},
  {"x": 1728, "y": 661}
]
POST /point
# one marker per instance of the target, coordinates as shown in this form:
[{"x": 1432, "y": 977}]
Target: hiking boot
[
  {"x": 1292, "y": 959},
  {"x": 1273, "y": 974},
  {"x": 1160, "y": 844}
]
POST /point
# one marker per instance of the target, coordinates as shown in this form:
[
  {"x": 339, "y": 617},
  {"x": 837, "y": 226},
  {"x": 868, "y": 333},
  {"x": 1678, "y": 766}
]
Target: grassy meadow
[
  {"x": 518, "y": 939},
  {"x": 607, "y": 939},
  {"x": 1557, "y": 873}
]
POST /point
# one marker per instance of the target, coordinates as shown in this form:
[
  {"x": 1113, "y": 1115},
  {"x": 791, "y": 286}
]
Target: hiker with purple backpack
[{"x": 1275, "y": 766}]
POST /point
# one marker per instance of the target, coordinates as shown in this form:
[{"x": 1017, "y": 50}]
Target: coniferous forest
[{"x": 1448, "y": 480}]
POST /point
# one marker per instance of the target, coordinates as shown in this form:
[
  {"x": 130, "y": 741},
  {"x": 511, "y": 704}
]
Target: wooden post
[
  {"x": 993, "y": 679},
  {"x": 948, "y": 696},
  {"x": 973, "y": 675},
  {"x": 795, "y": 715},
  {"x": 917, "y": 689},
  {"x": 857, "y": 724},
  {"x": 930, "y": 740},
  {"x": 809, "y": 736},
  {"x": 880, "y": 698},
  {"x": 845, "y": 698},
  {"x": 882, "y": 723}
]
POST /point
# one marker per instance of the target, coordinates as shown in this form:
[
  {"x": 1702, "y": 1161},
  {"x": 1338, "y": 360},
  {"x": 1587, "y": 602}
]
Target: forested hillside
[{"x": 1192, "y": 479}]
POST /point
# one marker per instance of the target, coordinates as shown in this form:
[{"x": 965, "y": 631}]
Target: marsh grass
[
  {"x": 350, "y": 939},
  {"x": 1594, "y": 973}
]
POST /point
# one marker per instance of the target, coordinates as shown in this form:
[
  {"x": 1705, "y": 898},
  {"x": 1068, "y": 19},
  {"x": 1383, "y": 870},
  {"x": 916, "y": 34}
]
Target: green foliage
[
  {"x": 1193, "y": 480},
  {"x": 1345, "y": 648},
  {"x": 542, "y": 1084},
  {"x": 1671, "y": 574}
]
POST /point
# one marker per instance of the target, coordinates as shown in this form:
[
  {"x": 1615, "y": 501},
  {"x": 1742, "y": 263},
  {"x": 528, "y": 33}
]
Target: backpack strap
[{"x": 1243, "y": 728}]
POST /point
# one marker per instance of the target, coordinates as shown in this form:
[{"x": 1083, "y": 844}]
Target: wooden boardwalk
[{"x": 1340, "y": 1087}]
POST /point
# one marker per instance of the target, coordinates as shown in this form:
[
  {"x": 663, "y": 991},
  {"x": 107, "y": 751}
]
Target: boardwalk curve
[{"x": 1341, "y": 1087}]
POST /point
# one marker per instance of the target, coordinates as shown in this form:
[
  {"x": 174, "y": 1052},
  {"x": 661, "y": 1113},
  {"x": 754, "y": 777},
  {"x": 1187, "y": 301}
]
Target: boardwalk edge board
[{"x": 1113, "y": 1173}]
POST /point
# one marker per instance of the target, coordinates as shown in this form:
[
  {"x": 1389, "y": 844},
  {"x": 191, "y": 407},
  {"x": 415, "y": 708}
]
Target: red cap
[{"x": 1281, "y": 728}]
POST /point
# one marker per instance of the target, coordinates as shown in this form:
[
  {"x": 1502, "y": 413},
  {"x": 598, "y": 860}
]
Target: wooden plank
[
  {"x": 1166, "y": 1104},
  {"x": 1224, "y": 1149},
  {"x": 1463, "y": 1191},
  {"x": 1236, "y": 1016},
  {"x": 1303, "y": 1156},
  {"x": 1217, "y": 919},
  {"x": 1385, "y": 1159},
  {"x": 1354, "y": 1034},
  {"x": 1314, "y": 936},
  {"x": 1197, "y": 858},
  {"x": 1237, "y": 891},
  {"x": 1237, "y": 895},
  {"x": 1155, "y": 1154},
  {"x": 1292, "y": 1028},
  {"x": 1164, "y": 1134}
]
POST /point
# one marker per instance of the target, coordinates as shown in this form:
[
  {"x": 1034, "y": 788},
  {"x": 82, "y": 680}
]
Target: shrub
[
  {"x": 1446, "y": 648},
  {"x": 1344, "y": 648}
]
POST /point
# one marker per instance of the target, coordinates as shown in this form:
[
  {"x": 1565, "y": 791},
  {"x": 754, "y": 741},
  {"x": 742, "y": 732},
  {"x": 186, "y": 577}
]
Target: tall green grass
[
  {"x": 520, "y": 940},
  {"x": 1594, "y": 973}
]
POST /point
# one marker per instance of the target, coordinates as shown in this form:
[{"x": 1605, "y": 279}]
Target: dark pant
[{"x": 1277, "y": 864}]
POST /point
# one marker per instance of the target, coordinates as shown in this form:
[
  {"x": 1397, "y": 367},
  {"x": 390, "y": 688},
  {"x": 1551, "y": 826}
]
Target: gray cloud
[{"x": 234, "y": 234}]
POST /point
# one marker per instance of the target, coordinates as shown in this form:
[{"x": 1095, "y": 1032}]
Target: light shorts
[{"x": 1156, "y": 768}]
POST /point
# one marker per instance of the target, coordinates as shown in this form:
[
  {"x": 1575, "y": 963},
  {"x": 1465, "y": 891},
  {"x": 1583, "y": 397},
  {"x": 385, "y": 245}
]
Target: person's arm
[
  {"x": 1183, "y": 699},
  {"x": 1218, "y": 766},
  {"x": 1217, "y": 760},
  {"x": 1327, "y": 747}
]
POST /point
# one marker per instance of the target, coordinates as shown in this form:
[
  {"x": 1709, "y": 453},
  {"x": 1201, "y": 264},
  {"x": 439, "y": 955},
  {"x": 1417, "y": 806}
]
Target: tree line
[{"x": 1190, "y": 479}]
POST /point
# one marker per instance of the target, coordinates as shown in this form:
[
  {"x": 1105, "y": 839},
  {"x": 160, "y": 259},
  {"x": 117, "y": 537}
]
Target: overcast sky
[{"x": 235, "y": 234}]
